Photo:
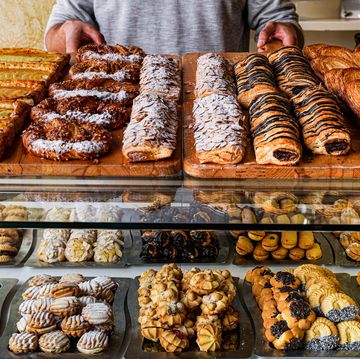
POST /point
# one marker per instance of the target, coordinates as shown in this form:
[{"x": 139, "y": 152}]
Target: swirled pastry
[
  {"x": 214, "y": 75},
  {"x": 151, "y": 133},
  {"x": 107, "y": 114},
  {"x": 219, "y": 129},
  {"x": 254, "y": 77},
  {"x": 161, "y": 75},
  {"x": 62, "y": 140},
  {"x": 275, "y": 132},
  {"x": 109, "y": 53},
  {"x": 323, "y": 125},
  {"x": 292, "y": 70}
]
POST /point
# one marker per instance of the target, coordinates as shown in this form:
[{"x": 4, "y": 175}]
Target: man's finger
[
  {"x": 73, "y": 41},
  {"x": 266, "y": 33},
  {"x": 94, "y": 35}
]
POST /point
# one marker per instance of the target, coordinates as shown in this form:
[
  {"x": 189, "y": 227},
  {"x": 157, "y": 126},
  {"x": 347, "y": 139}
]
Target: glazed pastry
[
  {"x": 22, "y": 324},
  {"x": 292, "y": 71},
  {"x": 105, "y": 282},
  {"x": 46, "y": 291},
  {"x": 314, "y": 253},
  {"x": 93, "y": 342},
  {"x": 260, "y": 254},
  {"x": 78, "y": 250},
  {"x": 41, "y": 322},
  {"x": 338, "y": 307},
  {"x": 254, "y": 77},
  {"x": 54, "y": 342},
  {"x": 271, "y": 242},
  {"x": 244, "y": 246},
  {"x": 289, "y": 239},
  {"x": 280, "y": 253},
  {"x": 152, "y": 131},
  {"x": 349, "y": 332},
  {"x": 87, "y": 299},
  {"x": 75, "y": 325},
  {"x": 323, "y": 124},
  {"x": 214, "y": 75},
  {"x": 296, "y": 254},
  {"x": 31, "y": 293},
  {"x": 322, "y": 336},
  {"x": 65, "y": 306},
  {"x": 173, "y": 341},
  {"x": 306, "y": 240},
  {"x": 41, "y": 279},
  {"x": 209, "y": 338},
  {"x": 275, "y": 132},
  {"x": 27, "y": 307},
  {"x": 23, "y": 342},
  {"x": 97, "y": 313},
  {"x": 42, "y": 304}
]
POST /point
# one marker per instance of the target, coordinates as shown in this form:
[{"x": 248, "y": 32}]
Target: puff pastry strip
[
  {"x": 323, "y": 125},
  {"x": 275, "y": 132},
  {"x": 292, "y": 70},
  {"x": 254, "y": 77}
]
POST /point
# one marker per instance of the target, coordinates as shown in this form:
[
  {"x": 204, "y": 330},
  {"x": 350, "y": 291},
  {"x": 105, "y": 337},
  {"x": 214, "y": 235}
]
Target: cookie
[
  {"x": 78, "y": 250},
  {"x": 23, "y": 342},
  {"x": 97, "y": 313},
  {"x": 65, "y": 289},
  {"x": 41, "y": 279},
  {"x": 41, "y": 322},
  {"x": 75, "y": 325},
  {"x": 54, "y": 342},
  {"x": 72, "y": 278},
  {"x": 65, "y": 306},
  {"x": 92, "y": 342}
]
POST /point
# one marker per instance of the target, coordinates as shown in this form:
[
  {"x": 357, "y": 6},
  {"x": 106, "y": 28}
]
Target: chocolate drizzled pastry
[
  {"x": 254, "y": 77},
  {"x": 274, "y": 131},
  {"x": 322, "y": 122},
  {"x": 285, "y": 278},
  {"x": 279, "y": 328},
  {"x": 292, "y": 70}
]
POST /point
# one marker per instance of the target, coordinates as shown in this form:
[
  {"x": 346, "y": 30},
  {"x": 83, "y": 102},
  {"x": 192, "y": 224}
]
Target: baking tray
[
  {"x": 355, "y": 288},
  {"x": 262, "y": 346},
  {"x": 115, "y": 343},
  {"x": 341, "y": 259},
  {"x": 27, "y": 245},
  {"x": 134, "y": 257},
  {"x": 6, "y": 286},
  {"x": 34, "y": 262},
  {"x": 135, "y": 351},
  {"x": 327, "y": 258}
]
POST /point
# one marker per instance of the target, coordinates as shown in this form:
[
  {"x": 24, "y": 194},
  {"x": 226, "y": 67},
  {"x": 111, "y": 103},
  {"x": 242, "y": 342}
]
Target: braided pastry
[
  {"x": 63, "y": 140},
  {"x": 254, "y": 77},
  {"x": 323, "y": 124}
]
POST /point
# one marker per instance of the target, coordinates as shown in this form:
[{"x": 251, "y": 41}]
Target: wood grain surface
[
  {"x": 17, "y": 161},
  {"x": 318, "y": 166}
]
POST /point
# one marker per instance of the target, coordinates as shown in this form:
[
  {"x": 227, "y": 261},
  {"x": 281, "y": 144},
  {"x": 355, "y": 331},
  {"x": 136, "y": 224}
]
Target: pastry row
[{"x": 305, "y": 308}]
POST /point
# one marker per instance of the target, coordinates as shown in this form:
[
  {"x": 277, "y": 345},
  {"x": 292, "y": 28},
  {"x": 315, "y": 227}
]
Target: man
[{"x": 172, "y": 26}]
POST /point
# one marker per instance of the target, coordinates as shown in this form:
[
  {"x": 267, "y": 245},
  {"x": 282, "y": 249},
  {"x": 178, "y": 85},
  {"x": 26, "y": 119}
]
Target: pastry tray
[
  {"x": 33, "y": 261},
  {"x": 327, "y": 258},
  {"x": 114, "y": 349},
  {"x": 341, "y": 258},
  {"x": 135, "y": 351},
  {"x": 27, "y": 244},
  {"x": 262, "y": 346},
  {"x": 134, "y": 257},
  {"x": 6, "y": 286}
]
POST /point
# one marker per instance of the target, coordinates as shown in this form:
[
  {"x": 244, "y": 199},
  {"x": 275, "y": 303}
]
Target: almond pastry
[
  {"x": 51, "y": 251},
  {"x": 88, "y": 234},
  {"x": 322, "y": 336},
  {"x": 75, "y": 325},
  {"x": 54, "y": 342},
  {"x": 41, "y": 322},
  {"x": 108, "y": 252},
  {"x": 173, "y": 341},
  {"x": 97, "y": 313},
  {"x": 23, "y": 342},
  {"x": 78, "y": 250},
  {"x": 65, "y": 306},
  {"x": 93, "y": 342}
]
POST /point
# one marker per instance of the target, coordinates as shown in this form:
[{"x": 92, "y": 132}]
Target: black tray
[
  {"x": 262, "y": 346},
  {"x": 115, "y": 343},
  {"x": 135, "y": 351},
  {"x": 34, "y": 262},
  {"x": 355, "y": 289},
  {"x": 341, "y": 259},
  {"x": 327, "y": 258},
  {"x": 6, "y": 286},
  {"x": 134, "y": 256}
]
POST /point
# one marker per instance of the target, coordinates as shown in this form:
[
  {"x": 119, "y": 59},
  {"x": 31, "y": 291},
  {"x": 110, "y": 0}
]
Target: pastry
[
  {"x": 171, "y": 313},
  {"x": 97, "y": 313},
  {"x": 271, "y": 242},
  {"x": 353, "y": 251},
  {"x": 93, "y": 342},
  {"x": 323, "y": 124},
  {"x": 204, "y": 283},
  {"x": 75, "y": 325},
  {"x": 51, "y": 251},
  {"x": 338, "y": 307},
  {"x": 90, "y": 287},
  {"x": 299, "y": 314},
  {"x": 27, "y": 307},
  {"x": 287, "y": 279},
  {"x": 105, "y": 282},
  {"x": 254, "y": 77},
  {"x": 292, "y": 71},
  {"x": 110, "y": 251},
  {"x": 230, "y": 319},
  {"x": 314, "y": 253},
  {"x": 41, "y": 322},
  {"x": 42, "y": 304},
  {"x": 54, "y": 342},
  {"x": 65, "y": 306},
  {"x": 151, "y": 329},
  {"x": 256, "y": 235},
  {"x": 78, "y": 250},
  {"x": 349, "y": 332},
  {"x": 296, "y": 254},
  {"x": 31, "y": 293},
  {"x": 23, "y": 342},
  {"x": 214, "y": 303},
  {"x": 322, "y": 336},
  {"x": 87, "y": 299},
  {"x": 306, "y": 240},
  {"x": 46, "y": 291},
  {"x": 173, "y": 341},
  {"x": 74, "y": 140},
  {"x": 88, "y": 235},
  {"x": 214, "y": 75},
  {"x": 75, "y": 278},
  {"x": 244, "y": 246},
  {"x": 275, "y": 132},
  {"x": 209, "y": 338},
  {"x": 65, "y": 289},
  {"x": 227, "y": 144},
  {"x": 41, "y": 279},
  {"x": 191, "y": 300},
  {"x": 280, "y": 253},
  {"x": 22, "y": 324},
  {"x": 289, "y": 239},
  {"x": 260, "y": 254}
]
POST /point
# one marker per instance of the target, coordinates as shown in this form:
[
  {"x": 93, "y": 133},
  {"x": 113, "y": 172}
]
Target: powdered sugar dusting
[
  {"x": 120, "y": 76},
  {"x": 104, "y": 95},
  {"x": 133, "y": 58}
]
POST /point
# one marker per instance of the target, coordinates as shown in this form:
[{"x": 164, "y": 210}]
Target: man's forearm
[{"x": 55, "y": 39}]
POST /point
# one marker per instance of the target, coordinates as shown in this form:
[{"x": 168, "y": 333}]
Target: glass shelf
[{"x": 276, "y": 205}]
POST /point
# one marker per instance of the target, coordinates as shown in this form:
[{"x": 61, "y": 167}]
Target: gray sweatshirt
[{"x": 176, "y": 26}]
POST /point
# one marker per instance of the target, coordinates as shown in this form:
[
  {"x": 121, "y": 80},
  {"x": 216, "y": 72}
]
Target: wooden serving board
[
  {"x": 310, "y": 166},
  {"x": 17, "y": 161}
]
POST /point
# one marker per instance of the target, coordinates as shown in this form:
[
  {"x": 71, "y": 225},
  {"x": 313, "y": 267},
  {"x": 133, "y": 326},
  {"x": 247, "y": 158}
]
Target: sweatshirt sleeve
[
  {"x": 72, "y": 10},
  {"x": 260, "y": 12}
]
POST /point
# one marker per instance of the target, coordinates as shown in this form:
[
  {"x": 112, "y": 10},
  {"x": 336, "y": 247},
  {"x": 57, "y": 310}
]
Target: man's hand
[
  {"x": 71, "y": 35},
  {"x": 280, "y": 33}
]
